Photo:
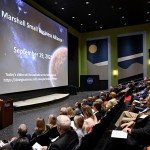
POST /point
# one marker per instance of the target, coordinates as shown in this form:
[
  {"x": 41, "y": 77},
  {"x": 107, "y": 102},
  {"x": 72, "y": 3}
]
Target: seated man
[
  {"x": 127, "y": 116},
  {"x": 68, "y": 138},
  {"x": 138, "y": 135},
  {"x": 22, "y": 132},
  {"x": 138, "y": 132}
]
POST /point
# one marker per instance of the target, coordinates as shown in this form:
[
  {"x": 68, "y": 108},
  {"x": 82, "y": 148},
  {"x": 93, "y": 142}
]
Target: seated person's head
[
  {"x": 63, "y": 111},
  {"x": 113, "y": 95},
  {"x": 22, "y": 144},
  {"x": 87, "y": 112},
  {"x": 22, "y": 130},
  {"x": 96, "y": 106},
  {"x": 52, "y": 120},
  {"x": 40, "y": 124},
  {"x": 70, "y": 112},
  {"x": 78, "y": 121},
  {"x": 63, "y": 124}
]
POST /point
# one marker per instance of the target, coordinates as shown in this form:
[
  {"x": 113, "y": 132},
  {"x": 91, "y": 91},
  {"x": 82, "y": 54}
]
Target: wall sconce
[
  {"x": 148, "y": 56},
  {"x": 115, "y": 72},
  {"x": 149, "y": 61}
]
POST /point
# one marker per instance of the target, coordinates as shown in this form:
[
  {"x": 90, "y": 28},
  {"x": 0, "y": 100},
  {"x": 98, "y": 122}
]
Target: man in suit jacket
[
  {"x": 128, "y": 116},
  {"x": 138, "y": 132},
  {"x": 68, "y": 139}
]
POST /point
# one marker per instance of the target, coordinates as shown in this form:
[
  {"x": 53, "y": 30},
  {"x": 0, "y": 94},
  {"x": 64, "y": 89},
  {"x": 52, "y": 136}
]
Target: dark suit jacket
[
  {"x": 66, "y": 141},
  {"x": 98, "y": 115},
  {"x": 140, "y": 133}
]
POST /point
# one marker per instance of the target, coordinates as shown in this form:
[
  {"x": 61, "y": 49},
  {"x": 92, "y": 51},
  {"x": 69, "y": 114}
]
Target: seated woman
[
  {"x": 51, "y": 122},
  {"x": 40, "y": 127},
  {"x": 70, "y": 113},
  {"x": 89, "y": 119},
  {"x": 78, "y": 123}
]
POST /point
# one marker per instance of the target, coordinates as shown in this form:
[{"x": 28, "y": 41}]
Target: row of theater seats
[{"x": 90, "y": 141}]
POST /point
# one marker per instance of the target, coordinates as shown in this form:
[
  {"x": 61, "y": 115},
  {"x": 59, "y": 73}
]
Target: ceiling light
[
  {"x": 89, "y": 14},
  {"x": 81, "y": 24},
  {"x": 101, "y": 27},
  {"x": 147, "y": 20},
  {"x": 148, "y": 12},
  {"x": 148, "y": 2},
  {"x": 62, "y": 8},
  {"x": 122, "y": 17},
  {"x": 112, "y": 7},
  {"x": 120, "y": 8},
  {"x": 95, "y": 21},
  {"x": 55, "y": 3},
  {"x": 125, "y": 24},
  {"x": 73, "y": 17},
  {"x": 87, "y": 2}
]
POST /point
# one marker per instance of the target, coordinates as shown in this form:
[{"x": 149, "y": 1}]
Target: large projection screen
[{"x": 33, "y": 49}]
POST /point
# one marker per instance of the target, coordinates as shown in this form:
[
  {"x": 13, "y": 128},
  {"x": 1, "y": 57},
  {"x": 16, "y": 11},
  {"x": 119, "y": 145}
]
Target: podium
[{"x": 6, "y": 113}]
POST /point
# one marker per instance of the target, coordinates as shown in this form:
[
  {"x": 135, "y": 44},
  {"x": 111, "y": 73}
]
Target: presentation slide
[{"x": 33, "y": 49}]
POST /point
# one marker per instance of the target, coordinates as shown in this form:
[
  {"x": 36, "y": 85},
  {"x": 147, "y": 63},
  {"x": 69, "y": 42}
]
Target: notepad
[
  {"x": 36, "y": 146},
  {"x": 119, "y": 134},
  {"x": 1, "y": 143}
]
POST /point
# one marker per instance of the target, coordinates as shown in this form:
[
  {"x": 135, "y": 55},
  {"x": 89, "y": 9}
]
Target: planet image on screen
[{"x": 58, "y": 67}]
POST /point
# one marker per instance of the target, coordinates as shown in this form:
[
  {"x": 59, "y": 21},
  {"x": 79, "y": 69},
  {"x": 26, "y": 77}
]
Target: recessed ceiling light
[
  {"x": 81, "y": 24},
  {"x": 73, "y": 17},
  {"x": 148, "y": 12},
  {"x": 147, "y": 20},
  {"x": 125, "y": 24},
  {"x": 62, "y": 8},
  {"x": 89, "y": 14},
  {"x": 87, "y": 2},
  {"x": 95, "y": 21},
  {"x": 122, "y": 17},
  {"x": 120, "y": 8},
  {"x": 100, "y": 27},
  {"x": 148, "y": 2},
  {"x": 55, "y": 3}
]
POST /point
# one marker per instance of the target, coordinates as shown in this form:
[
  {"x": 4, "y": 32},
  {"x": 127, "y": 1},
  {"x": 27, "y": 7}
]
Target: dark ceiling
[{"x": 93, "y": 15}]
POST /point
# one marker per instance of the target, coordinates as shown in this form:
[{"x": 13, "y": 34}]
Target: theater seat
[{"x": 45, "y": 138}]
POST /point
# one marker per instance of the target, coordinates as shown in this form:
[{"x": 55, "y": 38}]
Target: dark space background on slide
[
  {"x": 43, "y": 51},
  {"x": 72, "y": 73}
]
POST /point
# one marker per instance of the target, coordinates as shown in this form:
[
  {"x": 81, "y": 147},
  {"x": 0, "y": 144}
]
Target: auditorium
[{"x": 75, "y": 75}]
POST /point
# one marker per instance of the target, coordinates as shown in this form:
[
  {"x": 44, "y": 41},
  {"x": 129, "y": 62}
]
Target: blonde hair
[
  {"x": 78, "y": 121},
  {"x": 87, "y": 112},
  {"x": 52, "y": 120},
  {"x": 70, "y": 111}
]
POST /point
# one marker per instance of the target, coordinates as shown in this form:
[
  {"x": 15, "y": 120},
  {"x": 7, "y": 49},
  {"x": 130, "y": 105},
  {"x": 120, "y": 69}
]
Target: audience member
[
  {"x": 70, "y": 113},
  {"x": 77, "y": 108},
  {"x": 97, "y": 110},
  {"x": 112, "y": 102},
  {"x": 40, "y": 127},
  {"x": 22, "y": 132},
  {"x": 51, "y": 121},
  {"x": 89, "y": 119},
  {"x": 78, "y": 122},
  {"x": 128, "y": 116},
  {"x": 138, "y": 133},
  {"x": 63, "y": 111},
  {"x": 22, "y": 143},
  {"x": 68, "y": 138}
]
